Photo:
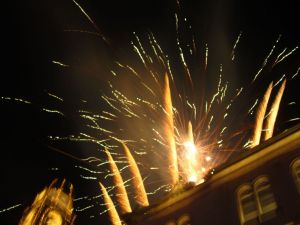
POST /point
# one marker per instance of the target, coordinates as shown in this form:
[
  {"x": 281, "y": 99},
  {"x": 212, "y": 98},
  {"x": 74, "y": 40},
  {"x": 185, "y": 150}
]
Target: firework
[
  {"x": 121, "y": 194},
  {"x": 169, "y": 133},
  {"x": 273, "y": 112},
  {"x": 179, "y": 138},
  {"x": 112, "y": 212},
  {"x": 260, "y": 116},
  {"x": 138, "y": 185}
]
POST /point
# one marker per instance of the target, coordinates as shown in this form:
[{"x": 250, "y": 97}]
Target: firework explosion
[{"x": 175, "y": 131}]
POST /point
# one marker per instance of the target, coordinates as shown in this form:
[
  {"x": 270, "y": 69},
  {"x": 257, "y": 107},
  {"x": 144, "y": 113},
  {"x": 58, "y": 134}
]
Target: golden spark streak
[
  {"x": 273, "y": 113},
  {"x": 191, "y": 162},
  {"x": 112, "y": 212},
  {"x": 60, "y": 63},
  {"x": 169, "y": 132},
  {"x": 260, "y": 114},
  {"x": 122, "y": 197},
  {"x": 138, "y": 185}
]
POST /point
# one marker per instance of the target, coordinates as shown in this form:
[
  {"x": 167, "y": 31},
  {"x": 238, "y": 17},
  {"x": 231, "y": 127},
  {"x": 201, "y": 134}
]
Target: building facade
[
  {"x": 52, "y": 206},
  {"x": 260, "y": 186}
]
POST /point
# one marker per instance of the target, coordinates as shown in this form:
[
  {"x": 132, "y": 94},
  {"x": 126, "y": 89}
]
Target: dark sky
[{"x": 34, "y": 33}]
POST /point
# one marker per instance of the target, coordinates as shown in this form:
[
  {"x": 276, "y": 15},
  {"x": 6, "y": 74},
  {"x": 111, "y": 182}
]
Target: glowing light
[
  {"x": 52, "y": 206},
  {"x": 169, "y": 132},
  {"x": 121, "y": 193},
  {"x": 112, "y": 212},
  {"x": 274, "y": 111},
  {"x": 260, "y": 115},
  {"x": 138, "y": 185}
]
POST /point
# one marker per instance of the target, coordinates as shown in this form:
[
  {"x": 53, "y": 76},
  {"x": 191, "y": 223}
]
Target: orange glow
[
  {"x": 121, "y": 194},
  {"x": 260, "y": 114},
  {"x": 192, "y": 160},
  {"x": 273, "y": 113},
  {"x": 112, "y": 212},
  {"x": 52, "y": 206},
  {"x": 138, "y": 185},
  {"x": 169, "y": 134}
]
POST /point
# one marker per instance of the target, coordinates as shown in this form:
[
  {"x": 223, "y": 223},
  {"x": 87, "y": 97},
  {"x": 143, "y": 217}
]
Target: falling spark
[
  {"x": 91, "y": 21},
  {"x": 273, "y": 113},
  {"x": 169, "y": 133},
  {"x": 60, "y": 63},
  {"x": 10, "y": 208},
  {"x": 112, "y": 212},
  {"x": 235, "y": 45},
  {"x": 121, "y": 193},
  {"x": 138, "y": 185},
  {"x": 260, "y": 115}
]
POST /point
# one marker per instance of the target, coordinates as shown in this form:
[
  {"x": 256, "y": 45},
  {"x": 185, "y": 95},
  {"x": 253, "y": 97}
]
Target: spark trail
[
  {"x": 274, "y": 111},
  {"x": 138, "y": 184},
  {"x": 260, "y": 116},
  {"x": 112, "y": 212},
  {"x": 121, "y": 194},
  {"x": 169, "y": 133}
]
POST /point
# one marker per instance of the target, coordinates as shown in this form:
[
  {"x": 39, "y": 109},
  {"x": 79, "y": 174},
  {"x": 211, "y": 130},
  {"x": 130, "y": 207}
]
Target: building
[
  {"x": 261, "y": 186},
  {"x": 52, "y": 206}
]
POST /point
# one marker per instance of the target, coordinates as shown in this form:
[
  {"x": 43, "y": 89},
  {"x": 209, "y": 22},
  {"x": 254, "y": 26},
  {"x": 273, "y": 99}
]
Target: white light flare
[{"x": 193, "y": 161}]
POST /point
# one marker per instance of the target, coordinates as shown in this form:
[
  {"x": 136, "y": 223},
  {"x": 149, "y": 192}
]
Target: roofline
[{"x": 287, "y": 141}]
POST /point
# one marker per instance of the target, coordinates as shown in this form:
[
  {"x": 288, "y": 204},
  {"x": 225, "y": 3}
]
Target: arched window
[
  {"x": 296, "y": 172},
  {"x": 247, "y": 205},
  {"x": 265, "y": 199},
  {"x": 256, "y": 202}
]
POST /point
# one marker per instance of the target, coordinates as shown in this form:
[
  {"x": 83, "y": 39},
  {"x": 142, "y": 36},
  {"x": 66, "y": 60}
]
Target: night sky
[{"x": 38, "y": 32}]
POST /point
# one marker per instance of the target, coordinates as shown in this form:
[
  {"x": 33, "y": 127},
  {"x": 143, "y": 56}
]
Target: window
[
  {"x": 265, "y": 199},
  {"x": 296, "y": 172},
  {"x": 256, "y": 202},
  {"x": 247, "y": 205}
]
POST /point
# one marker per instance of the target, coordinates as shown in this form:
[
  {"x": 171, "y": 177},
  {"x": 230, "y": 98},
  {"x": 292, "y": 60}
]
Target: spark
[
  {"x": 296, "y": 73},
  {"x": 235, "y": 45},
  {"x": 252, "y": 107},
  {"x": 266, "y": 60},
  {"x": 91, "y": 21},
  {"x": 282, "y": 57},
  {"x": 294, "y": 119},
  {"x": 16, "y": 99},
  {"x": 10, "y": 208},
  {"x": 52, "y": 111},
  {"x": 55, "y": 96},
  {"x": 60, "y": 63}
]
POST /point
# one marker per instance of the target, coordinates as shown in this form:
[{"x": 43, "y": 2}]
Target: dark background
[{"x": 34, "y": 33}]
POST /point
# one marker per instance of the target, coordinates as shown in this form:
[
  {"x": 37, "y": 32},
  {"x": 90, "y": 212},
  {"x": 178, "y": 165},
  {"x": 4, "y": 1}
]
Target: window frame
[
  {"x": 293, "y": 166},
  {"x": 240, "y": 191},
  {"x": 270, "y": 208}
]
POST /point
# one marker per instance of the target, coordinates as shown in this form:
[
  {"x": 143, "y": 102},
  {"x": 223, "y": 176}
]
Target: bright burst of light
[{"x": 175, "y": 132}]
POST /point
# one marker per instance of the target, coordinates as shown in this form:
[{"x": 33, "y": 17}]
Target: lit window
[
  {"x": 296, "y": 173},
  {"x": 265, "y": 199},
  {"x": 247, "y": 205}
]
